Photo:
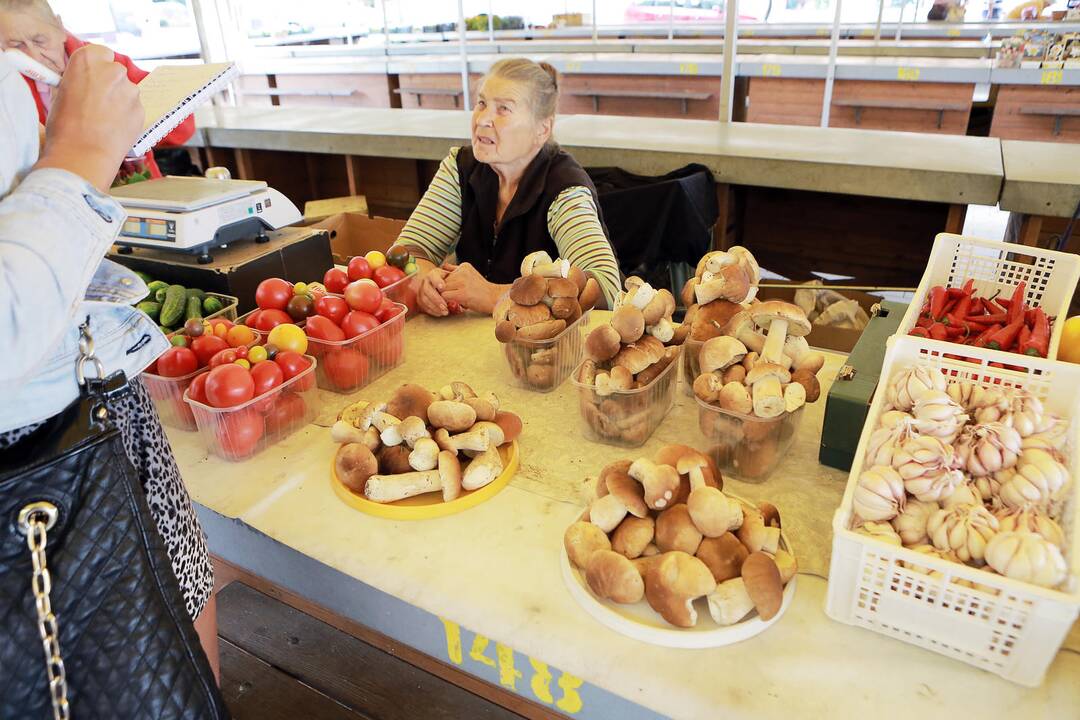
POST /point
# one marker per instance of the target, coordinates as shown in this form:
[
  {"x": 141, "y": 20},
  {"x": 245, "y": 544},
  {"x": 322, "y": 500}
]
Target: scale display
[{"x": 150, "y": 229}]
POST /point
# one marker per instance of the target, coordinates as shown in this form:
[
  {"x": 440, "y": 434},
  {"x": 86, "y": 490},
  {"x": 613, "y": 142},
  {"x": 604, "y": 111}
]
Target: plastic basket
[
  {"x": 402, "y": 293},
  {"x": 747, "y": 446},
  {"x": 348, "y": 365},
  {"x": 1004, "y": 626},
  {"x": 168, "y": 396},
  {"x": 542, "y": 365},
  {"x": 690, "y": 367},
  {"x": 1051, "y": 279},
  {"x": 627, "y": 417},
  {"x": 240, "y": 432}
]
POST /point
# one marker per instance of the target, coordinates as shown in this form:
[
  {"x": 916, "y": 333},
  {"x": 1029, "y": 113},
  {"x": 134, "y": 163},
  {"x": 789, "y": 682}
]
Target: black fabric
[
  {"x": 128, "y": 644},
  {"x": 524, "y": 227},
  {"x": 655, "y": 221}
]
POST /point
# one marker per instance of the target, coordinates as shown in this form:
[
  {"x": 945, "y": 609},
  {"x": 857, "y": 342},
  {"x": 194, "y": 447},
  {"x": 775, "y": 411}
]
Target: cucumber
[
  {"x": 172, "y": 307},
  {"x": 160, "y": 293},
  {"x": 193, "y": 292},
  {"x": 194, "y": 309},
  {"x": 151, "y": 308},
  {"x": 211, "y": 305},
  {"x": 144, "y": 277},
  {"x": 154, "y": 285}
]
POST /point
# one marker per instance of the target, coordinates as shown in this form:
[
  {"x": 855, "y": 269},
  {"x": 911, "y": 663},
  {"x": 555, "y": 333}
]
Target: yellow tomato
[
  {"x": 375, "y": 259},
  {"x": 1069, "y": 349},
  {"x": 243, "y": 363},
  {"x": 288, "y": 337},
  {"x": 257, "y": 354},
  {"x": 221, "y": 330},
  {"x": 239, "y": 335}
]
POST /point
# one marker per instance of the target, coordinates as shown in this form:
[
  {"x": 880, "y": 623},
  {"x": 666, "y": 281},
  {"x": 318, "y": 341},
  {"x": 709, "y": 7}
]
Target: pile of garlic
[{"x": 970, "y": 473}]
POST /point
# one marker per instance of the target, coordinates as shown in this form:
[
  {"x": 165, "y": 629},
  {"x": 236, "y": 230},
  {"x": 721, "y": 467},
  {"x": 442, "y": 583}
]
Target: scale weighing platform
[{"x": 195, "y": 215}]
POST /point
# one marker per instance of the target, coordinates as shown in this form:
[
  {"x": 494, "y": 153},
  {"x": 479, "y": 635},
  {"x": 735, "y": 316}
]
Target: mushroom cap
[
  {"x": 764, "y": 313},
  {"x": 409, "y": 400},
  {"x": 629, "y": 322},
  {"x": 724, "y": 556},
  {"x": 562, "y": 288},
  {"x": 540, "y": 257},
  {"x": 764, "y": 370},
  {"x": 621, "y": 378},
  {"x": 394, "y": 460},
  {"x": 673, "y": 583},
  {"x": 763, "y": 582},
  {"x": 590, "y": 295},
  {"x": 707, "y": 387},
  {"x": 719, "y": 353},
  {"x": 354, "y": 464},
  {"x": 628, "y": 491},
  {"x": 711, "y": 319},
  {"x": 712, "y": 512},
  {"x": 505, "y": 331},
  {"x": 619, "y": 466},
  {"x": 675, "y": 530},
  {"x": 564, "y": 308},
  {"x": 809, "y": 382},
  {"x": 544, "y": 330},
  {"x": 603, "y": 343},
  {"x": 412, "y": 429},
  {"x": 581, "y": 540},
  {"x": 452, "y": 415},
  {"x": 736, "y": 398},
  {"x": 524, "y": 315},
  {"x": 614, "y": 577},
  {"x": 528, "y": 290},
  {"x": 633, "y": 535},
  {"x": 578, "y": 277},
  {"x": 510, "y": 424},
  {"x": 449, "y": 475}
]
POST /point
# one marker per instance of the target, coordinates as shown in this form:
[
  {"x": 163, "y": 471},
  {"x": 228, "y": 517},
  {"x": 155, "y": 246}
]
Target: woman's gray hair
[{"x": 540, "y": 79}]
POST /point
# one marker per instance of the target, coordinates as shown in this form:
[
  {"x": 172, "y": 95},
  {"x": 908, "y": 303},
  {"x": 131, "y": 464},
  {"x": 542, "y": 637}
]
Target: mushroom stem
[
  {"x": 773, "y": 350},
  {"x": 391, "y": 488},
  {"x": 768, "y": 397}
]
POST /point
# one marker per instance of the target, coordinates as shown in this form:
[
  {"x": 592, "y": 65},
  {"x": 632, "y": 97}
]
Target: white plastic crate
[
  {"x": 1004, "y": 626},
  {"x": 1051, "y": 279}
]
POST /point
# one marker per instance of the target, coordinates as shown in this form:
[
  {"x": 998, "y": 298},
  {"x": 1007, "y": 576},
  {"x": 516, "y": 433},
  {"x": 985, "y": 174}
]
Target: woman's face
[
  {"x": 35, "y": 36},
  {"x": 504, "y": 130}
]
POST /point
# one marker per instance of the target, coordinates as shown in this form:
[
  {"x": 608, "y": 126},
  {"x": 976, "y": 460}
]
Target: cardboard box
[
  {"x": 356, "y": 234},
  {"x": 318, "y": 210},
  {"x": 296, "y": 254},
  {"x": 822, "y": 336}
]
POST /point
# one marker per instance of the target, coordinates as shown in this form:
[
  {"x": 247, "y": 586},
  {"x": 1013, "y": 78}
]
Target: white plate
[{"x": 641, "y": 622}]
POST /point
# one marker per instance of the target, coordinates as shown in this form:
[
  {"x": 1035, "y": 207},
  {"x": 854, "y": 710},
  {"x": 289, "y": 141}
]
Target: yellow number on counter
[
  {"x": 573, "y": 67},
  {"x": 907, "y": 73},
  {"x": 571, "y": 701},
  {"x": 770, "y": 70},
  {"x": 1052, "y": 77},
  {"x": 508, "y": 675},
  {"x": 541, "y": 681},
  {"x": 688, "y": 68},
  {"x": 453, "y": 641},
  {"x": 479, "y": 645},
  {"x": 953, "y": 32}
]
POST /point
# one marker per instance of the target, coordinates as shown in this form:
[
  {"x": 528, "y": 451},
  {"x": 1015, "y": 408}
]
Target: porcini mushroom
[
  {"x": 343, "y": 432},
  {"x": 450, "y": 474},
  {"x": 741, "y": 327},
  {"x": 712, "y": 512},
  {"x": 755, "y": 534},
  {"x": 672, "y": 585},
  {"x": 629, "y": 322},
  {"x": 581, "y": 540},
  {"x": 510, "y": 423},
  {"x": 723, "y": 555},
  {"x": 391, "y": 488},
  {"x": 766, "y": 380},
  {"x": 603, "y": 343},
  {"x": 412, "y": 429},
  {"x": 521, "y": 316},
  {"x": 485, "y": 407},
  {"x": 451, "y": 415},
  {"x": 532, "y": 260},
  {"x": 794, "y": 397},
  {"x": 730, "y": 602},
  {"x": 476, "y": 441},
  {"x": 735, "y": 397},
  {"x": 632, "y": 536},
  {"x": 424, "y": 455},
  {"x": 809, "y": 382},
  {"x": 613, "y": 577},
  {"x": 483, "y": 469},
  {"x": 354, "y": 463},
  {"x": 763, "y": 582},
  {"x": 780, "y": 319},
  {"x": 619, "y": 466},
  {"x": 457, "y": 390},
  {"x": 410, "y": 400},
  {"x": 727, "y": 283},
  {"x": 394, "y": 460},
  {"x": 675, "y": 530},
  {"x": 720, "y": 353},
  {"x": 590, "y": 295},
  {"x": 660, "y": 482},
  {"x": 659, "y": 308}
]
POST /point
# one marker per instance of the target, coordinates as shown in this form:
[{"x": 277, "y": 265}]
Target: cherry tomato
[
  {"x": 387, "y": 309},
  {"x": 206, "y": 346},
  {"x": 286, "y": 414},
  {"x": 223, "y": 357},
  {"x": 239, "y": 434},
  {"x": 454, "y": 307},
  {"x": 398, "y": 256},
  {"x": 257, "y": 354},
  {"x": 331, "y": 307},
  {"x": 358, "y": 323},
  {"x": 239, "y": 335},
  {"x": 193, "y": 328},
  {"x": 252, "y": 318},
  {"x": 363, "y": 295},
  {"x": 346, "y": 368},
  {"x": 358, "y": 270},
  {"x": 300, "y": 308},
  {"x": 387, "y": 275},
  {"x": 270, "y": 319},
  {"x": 273, "y": 294},
  {"x": 177, "y": 362},
  {"x": 229, "y": 385},
  {"x": 197, "y": 389},
  {"x": 242, "y": 352},
  {"x": 375, "y": 259},
  {"x": 323, "y": 328}
]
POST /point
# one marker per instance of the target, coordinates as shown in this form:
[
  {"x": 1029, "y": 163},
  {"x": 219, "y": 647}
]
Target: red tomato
[
  {"x": 387, "y": 275},
  {"x": 323, "y": 328},
  {"x": 239, "y": 433},
  {"x": 270, "y": 319},
  {"x": 177, "y": 362},
  {"x": 346, "y": 368},
  {"x": 273, "y": 293},
  {"x": 197, "y": 389},
  {"x": 224, "y": 357},
  {"x": 229, "y": 385},
  {"x": 364, "y": 296},
  {"x": 358, "y": 270},
  {"x": 292, "y": 363},
  {"x": 252, "y": 318},
  {"x": 206, "y": 346},
  {"x": 387, "y": 309},
  {"x": 358, "y": 323},
  {"x": 332, "y": 307},
  {"x": 287, "y": 413},
  {"x": 266, "y": 376},
  {"x": 335, "y": 280}
]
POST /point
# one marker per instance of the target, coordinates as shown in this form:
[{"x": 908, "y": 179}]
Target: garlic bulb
[
  {"x": 908, "y": 385},
  {"x": 935, "y": 487},
  {"x": 879, "y": 494},
  {"x": 884, "y": 441},
  {"x": 1051, "y": 443},
  {"x": 964, "y": 529},
  {"x": 880, "y": 531},
  {"x": 973, "y": 397},
  {"x": 1030, "y": 518},
  {"x": 932, "y": 552},
  {"x": 1027, "y": 557},
  {"x": 893, "y": 418},
  {"x": 986, "y": 449},
  {"x": 926, "y": 465},
  {"x": 1039, "y": 479},
  {"x": 910, "y": 525},
  {"x": 965, "y": 493},
  {"x": 1028, "y": 416},
  {"x": 999, "y": 411},
  {"x": 938, "y": 415}
]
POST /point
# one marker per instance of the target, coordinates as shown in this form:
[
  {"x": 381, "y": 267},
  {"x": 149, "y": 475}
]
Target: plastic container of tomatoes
[
  {"x": 403, "y": 293},
  {"x": 348, "y": 365},
  {"x": 239, "y": 432}
]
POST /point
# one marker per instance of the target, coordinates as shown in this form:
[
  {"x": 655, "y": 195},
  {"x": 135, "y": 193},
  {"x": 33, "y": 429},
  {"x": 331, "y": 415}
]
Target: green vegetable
[
  {"x": 194, "y": 309},
  {"x": 212, "y": 305},
  {"x": 172, "y": 306},
  {"x": 179, "y": 340},
  {"x": 151, "y": 308},
  {"x": 154, "y": 285},
  {"x": 144, "y": 277},
  {"x": 193, "y": 292},
  {"x": 160, "y": 293}
]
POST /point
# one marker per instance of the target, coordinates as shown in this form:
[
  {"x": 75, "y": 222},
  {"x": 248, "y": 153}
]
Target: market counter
[{"x": 446, "y": 586}]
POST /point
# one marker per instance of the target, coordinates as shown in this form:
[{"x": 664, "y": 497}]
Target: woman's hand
[
  {"x": 471, "y": 290},
  {"x": 429, "y": 291}
]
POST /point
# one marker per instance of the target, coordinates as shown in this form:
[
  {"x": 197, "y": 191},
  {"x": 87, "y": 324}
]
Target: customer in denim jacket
[{"x": 56, "y": 225}]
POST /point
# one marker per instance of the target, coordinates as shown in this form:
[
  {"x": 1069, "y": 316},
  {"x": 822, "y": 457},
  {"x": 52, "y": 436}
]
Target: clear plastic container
[
  {"x": 239, "y": 432},
  {"x": 348, "y": 365},
  {"x": 746, "y": 446},
  {"x": 542, "y": 365},
  {"x": 627, "y": 417},
  {"x": 690, "y": 367},
  {"x": 402, "y": 293},
  {"x": 168, "y": 396},
  {"x": 228, "y": 310}
]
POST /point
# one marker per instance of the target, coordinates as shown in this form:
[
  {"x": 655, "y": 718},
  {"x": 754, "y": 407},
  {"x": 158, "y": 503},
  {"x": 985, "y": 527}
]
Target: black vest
[{"x": 524, "y": 226}]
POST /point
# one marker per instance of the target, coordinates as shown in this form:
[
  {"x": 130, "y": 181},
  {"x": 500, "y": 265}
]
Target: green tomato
[
  {"x": 410, "y": 268},
  {"x": 179, "y": 341}
]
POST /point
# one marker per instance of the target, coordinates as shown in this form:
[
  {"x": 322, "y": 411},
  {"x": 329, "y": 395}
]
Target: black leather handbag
[{"x": 85, "y": 578}]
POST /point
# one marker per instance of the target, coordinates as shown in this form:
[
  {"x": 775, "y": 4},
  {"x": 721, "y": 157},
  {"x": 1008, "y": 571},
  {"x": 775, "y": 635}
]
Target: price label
[
  {"x": 573, "y": 67},
  {"x": 867, "y": 32},
  {"x": 1052, "y": 77},
  {"x": 953, "y": 32},
  {"x": 770, "y": 70},
  {"x": 748, "y": 32},
  {"x": 688, "y": 68},
  {"x": 822, "y": 31},
  {"x": 561, "y": 692},
  {"x": 905, "y": 73}
]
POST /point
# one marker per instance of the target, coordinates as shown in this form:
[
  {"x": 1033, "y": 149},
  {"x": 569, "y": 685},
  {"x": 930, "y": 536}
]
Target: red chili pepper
[
  {"x": 988, "y": 319},
  {"x": 980, "y": 341},
  {"x": 919, "y": 332},
  {"x": 1005, "y": 338},
  {"x": 955, "y": 293},
  {"x": 952, "y": 332},
  {"x": 924, "y": 322},
  {"x": 1038, "y": 343},
  {"x": 1022, "y": 340},
  {"x": 1016, "y": 305},
  {"x": 978, "y": 307},
  {"x": 937, "y": 301},
  {"x": 1003, "y": 302},
  {"x": 939, "y": 332}
]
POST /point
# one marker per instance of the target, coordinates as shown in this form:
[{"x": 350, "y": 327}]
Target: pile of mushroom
[
  {"x": 422, "y": 442},
  {"x": 723, "y": 283},
  {"x": 549, "y": 296},
  {"x": 664, "y": 531},
  {"x": 971, "y": 473},
  {"x": 629, "y": 353}
]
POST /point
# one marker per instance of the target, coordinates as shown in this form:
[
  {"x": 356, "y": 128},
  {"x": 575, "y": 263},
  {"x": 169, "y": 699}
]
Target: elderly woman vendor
[{"x": 511, "y": 193}]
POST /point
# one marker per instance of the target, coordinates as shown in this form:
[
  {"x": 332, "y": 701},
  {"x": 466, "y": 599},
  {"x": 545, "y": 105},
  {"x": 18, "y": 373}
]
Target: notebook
[{"x": 172, "y": 92}]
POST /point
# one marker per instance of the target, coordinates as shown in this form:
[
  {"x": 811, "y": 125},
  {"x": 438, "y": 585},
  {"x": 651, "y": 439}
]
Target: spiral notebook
[{"x": 172, "y": 92}]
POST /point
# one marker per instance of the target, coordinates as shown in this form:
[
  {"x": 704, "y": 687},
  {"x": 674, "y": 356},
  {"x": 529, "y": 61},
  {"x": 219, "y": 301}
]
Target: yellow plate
[{"x": 430, "y": 505}]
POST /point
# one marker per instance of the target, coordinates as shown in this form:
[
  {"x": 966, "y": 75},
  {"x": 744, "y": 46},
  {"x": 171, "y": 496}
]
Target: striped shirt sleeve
[
  {"x": 575, "y": 227},
  {"x": 435, "y": 225}
]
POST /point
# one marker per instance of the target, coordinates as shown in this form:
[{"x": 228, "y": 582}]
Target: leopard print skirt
[{"x": 148, "y": 449}]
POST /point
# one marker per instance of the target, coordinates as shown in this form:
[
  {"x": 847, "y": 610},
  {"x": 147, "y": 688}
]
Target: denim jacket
[{"x": 55, "y": 228}]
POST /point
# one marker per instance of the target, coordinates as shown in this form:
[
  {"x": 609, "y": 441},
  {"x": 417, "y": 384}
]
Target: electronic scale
[{"x": 195, "y": 214}]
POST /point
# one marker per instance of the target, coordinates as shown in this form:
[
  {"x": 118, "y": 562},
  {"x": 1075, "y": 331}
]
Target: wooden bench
[
  {"x": 684, "y": 96},
  {"x": 420, "y": 92},
  {"x": 282, "y": 92},
  {"x": 936, "y": 106},
  {"x": 1056, "y": 111}
]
